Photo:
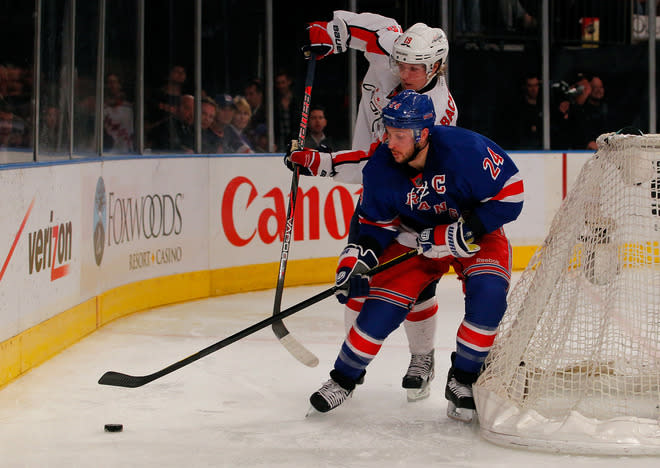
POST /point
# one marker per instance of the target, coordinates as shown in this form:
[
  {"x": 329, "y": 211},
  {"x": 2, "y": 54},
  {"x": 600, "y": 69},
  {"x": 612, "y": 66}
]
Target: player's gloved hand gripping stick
[
  {"x": 310, "y": 161},
  {"x": 351, "y": 279},
  {"x": 454, "y": 239},
  {"x": 327, "y": 37}
]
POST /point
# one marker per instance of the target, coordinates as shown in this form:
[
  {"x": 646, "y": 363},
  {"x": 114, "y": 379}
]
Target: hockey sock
[
  {"x": 473, "y": 344},
  {"x": 420, "y": 325},
  {"x": 351, "y": 311}
]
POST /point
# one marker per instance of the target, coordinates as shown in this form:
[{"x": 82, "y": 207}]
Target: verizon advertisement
[{"x": 41, "y": 239}]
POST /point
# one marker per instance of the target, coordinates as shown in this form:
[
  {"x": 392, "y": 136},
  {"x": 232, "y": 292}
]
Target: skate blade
[
  {"x": 312, "y": 412},
  {"x": 464, "y": 415},
  {"x": 416, "y": 394}
]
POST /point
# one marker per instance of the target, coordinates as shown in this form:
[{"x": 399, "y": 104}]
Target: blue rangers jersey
[{"x": 465, "y": 174}]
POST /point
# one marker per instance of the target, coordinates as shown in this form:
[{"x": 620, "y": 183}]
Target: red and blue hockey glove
[
  {"x": 326, "y": 38},
  {"x": 350, "y": 280},
  {"x": 448, "y": 239}
]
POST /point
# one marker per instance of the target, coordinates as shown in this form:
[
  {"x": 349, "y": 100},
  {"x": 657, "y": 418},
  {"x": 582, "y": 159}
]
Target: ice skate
[
  {"x": 460, "y": 404},
  {"x": 417, "y": 380},
  {"x": 332, "y": 393}
]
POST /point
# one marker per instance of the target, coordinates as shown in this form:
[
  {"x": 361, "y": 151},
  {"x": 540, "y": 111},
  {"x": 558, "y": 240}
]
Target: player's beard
[
  {"x": 413, "y": 154},
  {"x": 405, "y": 157}
]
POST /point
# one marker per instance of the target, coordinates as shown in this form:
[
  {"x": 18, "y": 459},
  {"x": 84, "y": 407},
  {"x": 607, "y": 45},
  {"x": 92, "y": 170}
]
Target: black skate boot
[
  {"x": 459, "y": 393},
  {"x": 333, "y": 393},
  {"x": 419, "y": 375}
]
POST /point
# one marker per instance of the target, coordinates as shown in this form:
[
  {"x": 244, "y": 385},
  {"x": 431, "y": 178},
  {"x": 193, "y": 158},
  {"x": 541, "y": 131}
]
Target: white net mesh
[{"x": 576, "y": 364}]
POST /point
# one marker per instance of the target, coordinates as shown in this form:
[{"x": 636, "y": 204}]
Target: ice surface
[{"x": 244, "y": 405}]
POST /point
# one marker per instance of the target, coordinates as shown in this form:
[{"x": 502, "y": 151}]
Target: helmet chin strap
[
  {"x": 429, "y": 78},
  {"x": 417, "y": 150},
  {"x": 430, "y": 75}
]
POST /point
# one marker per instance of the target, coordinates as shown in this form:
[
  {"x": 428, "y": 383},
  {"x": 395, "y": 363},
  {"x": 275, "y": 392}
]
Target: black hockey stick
[
  {"x": 292, "y": 345},
  {"x": 131, "y": 381}
]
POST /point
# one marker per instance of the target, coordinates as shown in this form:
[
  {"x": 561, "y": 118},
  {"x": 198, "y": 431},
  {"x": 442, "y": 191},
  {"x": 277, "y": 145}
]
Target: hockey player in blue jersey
[
  {"x": 414, "y": 59},
  {"x": 449, "y": 191}
]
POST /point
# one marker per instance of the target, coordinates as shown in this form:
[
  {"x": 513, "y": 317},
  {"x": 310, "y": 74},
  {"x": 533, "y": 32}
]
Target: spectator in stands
[
  {"x": 230, "y": 141},
  {"x": 287, "y": 111},
  {"x": 527, "y": 116},
  {"x": 242, "y": 118},
  {"x": 594, "y": 116},
  {"x": 13, "y": 128},
  {"x": 16, "y": 94},
  {"x": 261, "y": 139},
  {"x": 50, "y": 135},
  {"x": 561, "y": 128},
  {"x": 117, "y": 117},
  {"x": 6, "y": 127},
  {"x": 254, "y": 95},
  {"x": 4, "y": 81},
  {"x": 467, "y": 17},
  {"x": 639, "y": 7},
  {"x": 164, "y": 102},
  {"x": 84, "y": 114},
  {"x": 176, "y": 132},
  {"x": 317, "y": 124},
  {"x": 566, "y": 114},
  {"x": 582, "y": 87},
  {"x": 211, "y": 141},
  {"x": 515, "y": 16}
]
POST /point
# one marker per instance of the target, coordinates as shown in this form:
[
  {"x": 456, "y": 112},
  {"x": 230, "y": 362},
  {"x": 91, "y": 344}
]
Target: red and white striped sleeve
[
  {"x": 370, "y": 33},
  {"x": 512, "y": 191}
]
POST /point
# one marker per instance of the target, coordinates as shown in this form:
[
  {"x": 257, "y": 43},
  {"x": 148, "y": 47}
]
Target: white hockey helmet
[{"x": 420, "y": 44}]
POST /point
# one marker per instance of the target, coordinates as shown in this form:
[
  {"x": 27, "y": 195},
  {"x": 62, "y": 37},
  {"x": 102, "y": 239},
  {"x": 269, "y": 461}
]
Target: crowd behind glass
[{"x": 232, "y": 117}]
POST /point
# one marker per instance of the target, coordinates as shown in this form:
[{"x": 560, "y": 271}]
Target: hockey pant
[
  {"x": 485, "y": 279},
  {"x": 420, "y": 323}
]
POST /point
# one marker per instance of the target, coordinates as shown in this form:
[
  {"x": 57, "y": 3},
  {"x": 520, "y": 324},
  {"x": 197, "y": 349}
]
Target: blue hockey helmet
[{"x": 409, "y": 109}]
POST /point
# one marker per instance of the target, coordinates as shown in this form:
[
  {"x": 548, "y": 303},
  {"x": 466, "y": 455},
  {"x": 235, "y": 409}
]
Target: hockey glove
[
  {"x": 290, "y": 148},
  {"x": 448, "y": 239},
  {"x": 350, "y": 280},
  {"x": 311, "y": 162},
  {"x": 326, "y": 38}
]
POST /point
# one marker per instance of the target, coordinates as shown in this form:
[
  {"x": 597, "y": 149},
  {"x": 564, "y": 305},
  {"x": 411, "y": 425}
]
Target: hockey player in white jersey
[{"x": 414, "y": 59}]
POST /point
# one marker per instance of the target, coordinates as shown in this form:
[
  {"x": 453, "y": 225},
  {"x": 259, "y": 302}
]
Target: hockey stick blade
[
  {"x": 119, "y": 379},
  {"x": 295, "y": 348}
]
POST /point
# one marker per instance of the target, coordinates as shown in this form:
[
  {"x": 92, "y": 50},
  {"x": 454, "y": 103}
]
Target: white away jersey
[{"x": 375, "y": 35}]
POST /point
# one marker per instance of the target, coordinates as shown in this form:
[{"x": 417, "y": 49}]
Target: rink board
[{"x": 85, "y": 242}]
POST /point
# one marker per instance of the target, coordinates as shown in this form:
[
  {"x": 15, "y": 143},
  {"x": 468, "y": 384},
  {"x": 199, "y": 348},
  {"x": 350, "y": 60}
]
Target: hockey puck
[{"x": 113, "y": 427}]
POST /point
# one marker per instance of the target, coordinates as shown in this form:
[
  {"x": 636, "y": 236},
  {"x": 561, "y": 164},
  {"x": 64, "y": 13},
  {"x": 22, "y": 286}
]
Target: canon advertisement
[{"x": 250, "y": 206}]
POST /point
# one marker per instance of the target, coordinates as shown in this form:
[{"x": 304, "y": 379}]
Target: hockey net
[{"x": 576, "y": 364}]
